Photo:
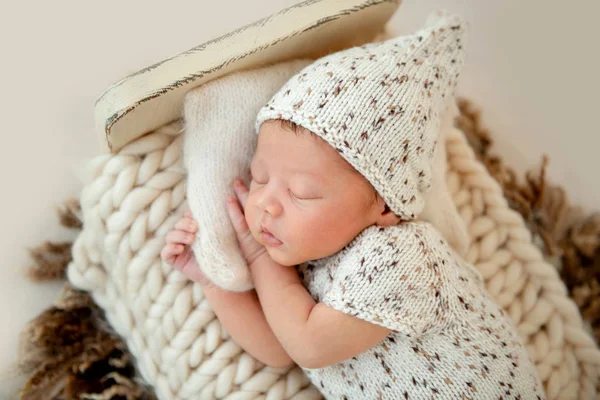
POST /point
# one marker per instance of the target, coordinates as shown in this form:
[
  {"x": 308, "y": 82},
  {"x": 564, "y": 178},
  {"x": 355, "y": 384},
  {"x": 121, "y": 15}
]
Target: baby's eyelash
[
  {"x": 301, "y": 198},
  {"x": 294, "y": 196}
]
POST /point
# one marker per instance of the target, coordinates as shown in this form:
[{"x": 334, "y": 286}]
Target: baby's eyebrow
[
  {"x": 303, "y": 172},
  {"x": 314, "y": 175},
  {"x": 257, "y": 161}
]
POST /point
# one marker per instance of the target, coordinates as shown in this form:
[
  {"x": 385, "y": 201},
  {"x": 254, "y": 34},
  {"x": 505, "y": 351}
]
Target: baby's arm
[
  {"x": 314, "y": 335},
  {"x": 240, "y": 313},
  {"x": 242, "y": 317}
]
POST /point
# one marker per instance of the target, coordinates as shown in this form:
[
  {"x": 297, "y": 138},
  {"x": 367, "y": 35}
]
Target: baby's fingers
[
  {"x": 179, "y": 237},
  {"x": 187, "y": 225},
  {"x": 236, "y": 215},
  {"x": 241, "y": 191},
  {"x": 170, "y": 252}
]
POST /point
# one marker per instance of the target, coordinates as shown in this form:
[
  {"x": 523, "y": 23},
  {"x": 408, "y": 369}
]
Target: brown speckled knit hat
[{"x": 380, "y": 106}]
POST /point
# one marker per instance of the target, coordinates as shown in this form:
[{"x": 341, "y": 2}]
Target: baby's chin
[
  {"x": 284, "y": 257},
  {"x": 280, "y": 256},
  {"x": 287, "y": 257}
]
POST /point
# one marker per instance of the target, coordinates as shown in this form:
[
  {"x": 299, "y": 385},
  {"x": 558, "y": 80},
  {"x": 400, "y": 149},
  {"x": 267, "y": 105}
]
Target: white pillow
[{"x": 219, "y": 144}]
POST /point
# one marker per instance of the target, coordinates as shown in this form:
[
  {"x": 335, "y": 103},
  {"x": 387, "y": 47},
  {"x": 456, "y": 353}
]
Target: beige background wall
[{"x": 533, "y": 67}]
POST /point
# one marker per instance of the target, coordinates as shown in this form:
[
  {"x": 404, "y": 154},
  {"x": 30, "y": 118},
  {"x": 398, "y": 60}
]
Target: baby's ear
[{"x": 387, "y": 217}]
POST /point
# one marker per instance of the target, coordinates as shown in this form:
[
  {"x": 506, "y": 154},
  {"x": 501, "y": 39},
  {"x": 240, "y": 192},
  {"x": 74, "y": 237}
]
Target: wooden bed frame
[{"x": 153, "y": 96}]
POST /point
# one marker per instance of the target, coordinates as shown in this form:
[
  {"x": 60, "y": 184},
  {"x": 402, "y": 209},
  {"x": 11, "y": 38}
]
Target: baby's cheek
[{"x": 317, "y": 232}]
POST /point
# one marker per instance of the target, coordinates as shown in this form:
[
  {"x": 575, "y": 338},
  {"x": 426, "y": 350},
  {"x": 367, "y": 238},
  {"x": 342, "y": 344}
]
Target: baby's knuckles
[
  {"x": 250, "y": 248},
  {"x": 186, "y": 224}
]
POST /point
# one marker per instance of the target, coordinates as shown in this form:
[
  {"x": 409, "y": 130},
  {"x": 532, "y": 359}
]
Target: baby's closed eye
[
  {"x": 304, "y": 196},
  {"x": 305, "y": 190}
]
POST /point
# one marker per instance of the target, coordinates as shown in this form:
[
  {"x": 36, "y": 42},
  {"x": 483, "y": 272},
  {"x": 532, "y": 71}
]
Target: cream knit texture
[
  {"x": 218, "y": 146},
  {"x": 131, "y": 199},
  {"x": 449, "y": 339},
  {"x": 380, "y": 105}
]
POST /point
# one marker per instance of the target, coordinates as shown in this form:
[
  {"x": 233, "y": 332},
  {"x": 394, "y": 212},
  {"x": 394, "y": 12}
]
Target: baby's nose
[{"x": 272, "y": 206}]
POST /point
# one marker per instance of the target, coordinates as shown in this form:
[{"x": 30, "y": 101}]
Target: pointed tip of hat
[{"x": 441, "y": 17}]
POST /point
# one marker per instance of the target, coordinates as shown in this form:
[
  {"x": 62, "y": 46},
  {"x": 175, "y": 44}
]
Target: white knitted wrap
[
  {"x": 218, "y": 147},
  {"x": 131, "y": 199},
  {"x": 380, "y": 106}
]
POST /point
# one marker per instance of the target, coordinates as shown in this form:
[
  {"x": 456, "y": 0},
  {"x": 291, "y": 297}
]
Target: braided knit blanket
[{"x": 131, "y": 199}]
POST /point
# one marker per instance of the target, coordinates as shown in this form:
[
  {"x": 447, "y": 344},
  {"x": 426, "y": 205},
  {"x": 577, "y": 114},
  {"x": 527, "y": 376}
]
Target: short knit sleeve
[{"x": 399, "y": 277}]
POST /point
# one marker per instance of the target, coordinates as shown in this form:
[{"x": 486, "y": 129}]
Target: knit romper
[{"x": 449, "y": 339}]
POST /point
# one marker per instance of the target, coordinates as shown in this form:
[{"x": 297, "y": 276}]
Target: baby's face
[{"x": 306, "y": 195}]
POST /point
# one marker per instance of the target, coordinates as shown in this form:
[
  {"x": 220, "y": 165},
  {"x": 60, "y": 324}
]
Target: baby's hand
[
  {"x": 251, "y": 249},
  {"x": 177, "y": 252}
]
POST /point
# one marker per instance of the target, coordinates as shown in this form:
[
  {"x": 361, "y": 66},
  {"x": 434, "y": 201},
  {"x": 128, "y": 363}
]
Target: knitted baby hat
[{"x": 380, "y": 106}]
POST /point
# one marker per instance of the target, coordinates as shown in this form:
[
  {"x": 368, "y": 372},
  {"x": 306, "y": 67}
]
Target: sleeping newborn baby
[{"x": 371, "y": 302}]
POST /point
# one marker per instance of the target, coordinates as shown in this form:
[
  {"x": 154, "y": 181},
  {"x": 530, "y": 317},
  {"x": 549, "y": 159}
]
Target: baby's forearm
[
  {"x": 313, "y": 334},
  {"x": 286, "y": 303},
  {"x": 243, "y": 318}
]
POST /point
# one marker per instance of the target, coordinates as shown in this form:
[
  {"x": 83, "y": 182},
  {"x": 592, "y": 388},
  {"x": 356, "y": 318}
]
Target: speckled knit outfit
[
  {"x": 380, "y": 106},
  {"x": 449, "y": 340}
]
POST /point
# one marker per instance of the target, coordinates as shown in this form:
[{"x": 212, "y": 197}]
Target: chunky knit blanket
[{"x": 131, "y": 199}]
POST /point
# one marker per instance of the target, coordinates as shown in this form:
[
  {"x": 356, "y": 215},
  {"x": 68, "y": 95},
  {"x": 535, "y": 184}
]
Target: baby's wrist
[
  {"x": 202, "y": 279},
  {"x": 260, "y": 259}
]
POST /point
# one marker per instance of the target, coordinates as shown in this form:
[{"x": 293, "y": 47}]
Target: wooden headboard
[{"x": 153, "y": 96}]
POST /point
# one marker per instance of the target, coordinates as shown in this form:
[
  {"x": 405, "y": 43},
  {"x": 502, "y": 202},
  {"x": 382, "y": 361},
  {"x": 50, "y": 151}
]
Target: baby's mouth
[{"x": 268, "y": 239}]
